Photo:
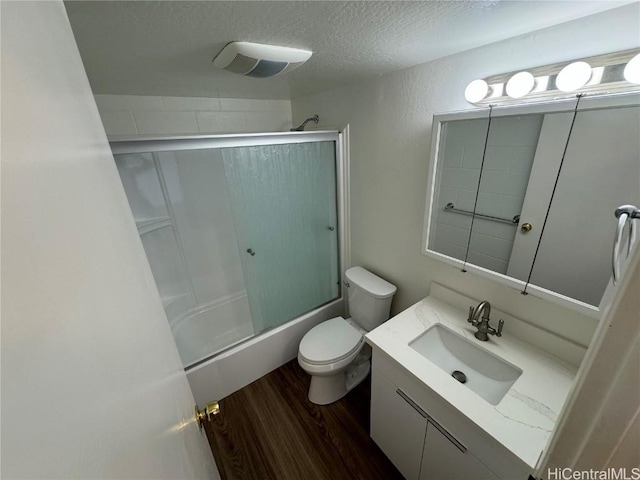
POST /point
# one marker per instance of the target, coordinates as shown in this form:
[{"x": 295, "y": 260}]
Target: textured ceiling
[{"x": 166, "y": 48}]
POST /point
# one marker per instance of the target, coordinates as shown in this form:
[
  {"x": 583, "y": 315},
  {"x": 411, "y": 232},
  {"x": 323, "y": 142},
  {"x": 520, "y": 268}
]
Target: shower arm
[{"x": 314, "y": 119}]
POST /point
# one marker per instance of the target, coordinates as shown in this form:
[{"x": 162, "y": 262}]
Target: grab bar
[
  {"x": 450, "y": 207},
  {"x": 625, "y": 214}
]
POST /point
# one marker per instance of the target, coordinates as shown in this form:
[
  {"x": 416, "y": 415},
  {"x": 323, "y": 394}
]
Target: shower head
[
  {"x": 259, "y": 60},
  {"x": 314, "y": 119}
]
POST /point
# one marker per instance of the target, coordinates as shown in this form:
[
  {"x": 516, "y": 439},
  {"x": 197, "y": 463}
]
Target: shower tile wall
[
  {"x": 134, "y": 115},
  {"x": 510, "y": 151}
]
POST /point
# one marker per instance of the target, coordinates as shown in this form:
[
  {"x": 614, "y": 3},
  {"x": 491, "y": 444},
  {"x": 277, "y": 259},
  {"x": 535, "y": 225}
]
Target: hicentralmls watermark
[{"x": 608, "y": 474}]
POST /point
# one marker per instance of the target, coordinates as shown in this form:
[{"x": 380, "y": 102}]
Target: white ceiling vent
[{"x": 259, "y": 60}]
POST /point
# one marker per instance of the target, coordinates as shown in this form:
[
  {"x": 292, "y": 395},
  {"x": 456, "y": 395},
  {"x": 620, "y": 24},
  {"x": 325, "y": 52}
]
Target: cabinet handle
[
  {"x": 415, "y": 406},
  {"x": 451, "y": 438}
]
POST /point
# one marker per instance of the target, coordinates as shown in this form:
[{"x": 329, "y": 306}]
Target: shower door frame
[{"x": 203, "y": 142}]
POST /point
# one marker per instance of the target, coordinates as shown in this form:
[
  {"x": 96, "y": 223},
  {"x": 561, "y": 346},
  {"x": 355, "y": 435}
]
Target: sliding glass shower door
[
  {"x": 283, "y": 199},
  {"x": 241, "y": 233}
]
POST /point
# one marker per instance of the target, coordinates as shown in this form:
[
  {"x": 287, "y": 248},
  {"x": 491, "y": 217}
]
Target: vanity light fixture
[
  {"x": 573, "y": 76},
  {"x": 617, "y": 72},
  {"x": 632, "y": 70},
  {"x": 476, "y": 90},
  {"x": 520, "y": 84}
]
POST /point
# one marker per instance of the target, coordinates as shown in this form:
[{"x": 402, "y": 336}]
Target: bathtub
[
  {"x": 207, "y": 329},
  {"x": 244, "y": 363}
]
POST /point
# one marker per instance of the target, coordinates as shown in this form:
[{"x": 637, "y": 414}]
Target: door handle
[
  {"x": 212, "y": 408},
  {"x": 526, "y": 227}
]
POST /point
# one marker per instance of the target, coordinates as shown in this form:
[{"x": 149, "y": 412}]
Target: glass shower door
[{"x": 283, "y": 199}]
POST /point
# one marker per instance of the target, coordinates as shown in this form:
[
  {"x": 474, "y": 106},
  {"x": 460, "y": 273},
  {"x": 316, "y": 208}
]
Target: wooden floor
[{"x": 270, "y": 430}]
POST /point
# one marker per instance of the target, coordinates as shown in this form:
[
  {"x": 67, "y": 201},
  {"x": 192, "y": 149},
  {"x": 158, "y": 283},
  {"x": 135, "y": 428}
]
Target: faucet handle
[
  {"x": 500, "y": 325},
  {"x": 471, "y": 312}
]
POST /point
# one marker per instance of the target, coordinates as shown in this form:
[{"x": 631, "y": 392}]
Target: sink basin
[{"x": 486, "y": 374}]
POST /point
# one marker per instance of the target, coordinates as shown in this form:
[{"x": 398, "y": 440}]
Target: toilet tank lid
[{"x": 373, "y": 284}]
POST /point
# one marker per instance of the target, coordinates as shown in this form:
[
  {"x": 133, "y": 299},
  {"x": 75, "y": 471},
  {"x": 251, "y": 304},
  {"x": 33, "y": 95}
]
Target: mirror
[{"x": 527, "y": 196}]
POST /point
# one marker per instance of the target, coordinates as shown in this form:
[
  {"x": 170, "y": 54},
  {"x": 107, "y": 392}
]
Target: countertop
[{"x": 524, "y": 419}]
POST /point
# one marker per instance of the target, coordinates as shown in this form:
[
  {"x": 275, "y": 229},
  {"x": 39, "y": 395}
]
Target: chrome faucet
[{"x": 484, "y": 329}]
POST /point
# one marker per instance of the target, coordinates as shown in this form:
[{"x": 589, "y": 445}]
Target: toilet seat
[{"x": 329, "y": 342}]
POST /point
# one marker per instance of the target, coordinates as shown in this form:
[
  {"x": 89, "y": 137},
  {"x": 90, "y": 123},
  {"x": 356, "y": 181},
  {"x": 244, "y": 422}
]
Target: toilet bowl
[
  {"x": 334, "y": 352},
  {"x": 328, "y": 352}
]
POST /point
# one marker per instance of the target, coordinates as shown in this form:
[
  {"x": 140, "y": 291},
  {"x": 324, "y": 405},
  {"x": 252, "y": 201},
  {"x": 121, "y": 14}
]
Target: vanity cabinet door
[
  {"x": 398, "y": 426},
  {"x": 445, "y": 458}
]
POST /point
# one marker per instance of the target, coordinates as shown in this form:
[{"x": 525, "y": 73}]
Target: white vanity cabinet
[
  {"x": 397, "y": 426},
  {"x": 444, "y": 458},
  {"x": 426, "y": 440}
]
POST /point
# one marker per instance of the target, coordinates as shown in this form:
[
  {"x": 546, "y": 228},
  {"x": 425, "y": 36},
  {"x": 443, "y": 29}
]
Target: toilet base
[
  {"x": 356, "y": 375},
  {"x": 326, "y": 389}
]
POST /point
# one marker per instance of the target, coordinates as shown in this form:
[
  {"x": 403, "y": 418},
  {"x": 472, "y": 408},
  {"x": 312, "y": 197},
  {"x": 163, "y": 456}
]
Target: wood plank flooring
[{"x": 269, "y": 430}]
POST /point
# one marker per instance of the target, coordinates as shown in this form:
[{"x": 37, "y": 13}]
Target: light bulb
[
  {"x": 573, "y": 76},
  {"x": 520, "y": 84},
  {"x": 632, "y": 70},
  {"x": 476, "y": 91}
]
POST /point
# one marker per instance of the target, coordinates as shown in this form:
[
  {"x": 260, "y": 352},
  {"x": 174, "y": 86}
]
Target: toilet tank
[{"x": 369, "y": 297}]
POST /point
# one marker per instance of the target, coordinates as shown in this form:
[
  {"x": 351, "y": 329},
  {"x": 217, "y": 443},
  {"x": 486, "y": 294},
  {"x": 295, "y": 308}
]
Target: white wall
[
  {"x": 92, "y": 384},
  {"x": 137, "y": 115},
  {"x": 390, "y": 121}
]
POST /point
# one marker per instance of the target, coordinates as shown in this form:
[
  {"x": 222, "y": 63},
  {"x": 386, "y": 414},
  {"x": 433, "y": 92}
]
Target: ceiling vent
[{"x": 259, "y": 60}]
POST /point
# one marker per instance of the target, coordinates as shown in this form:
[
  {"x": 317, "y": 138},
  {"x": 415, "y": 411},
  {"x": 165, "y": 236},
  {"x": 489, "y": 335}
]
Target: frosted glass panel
[
  {"x": 283, "y": 199},
  {"x": 199, "y": 211},
  {"x": 142, "y": 185}
]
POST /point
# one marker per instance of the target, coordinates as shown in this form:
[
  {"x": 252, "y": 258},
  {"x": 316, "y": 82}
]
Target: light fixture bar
[{"x": 606, "y": 75}]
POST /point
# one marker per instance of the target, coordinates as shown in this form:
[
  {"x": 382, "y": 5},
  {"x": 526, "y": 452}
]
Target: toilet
[{"x": 334, "y": 352}]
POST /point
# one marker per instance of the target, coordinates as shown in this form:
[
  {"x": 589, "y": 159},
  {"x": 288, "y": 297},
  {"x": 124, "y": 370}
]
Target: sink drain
[{"x": 458, "y": 375}]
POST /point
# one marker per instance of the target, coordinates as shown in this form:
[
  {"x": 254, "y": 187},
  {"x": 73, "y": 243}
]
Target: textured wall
[{"x": 390, "y": 119}]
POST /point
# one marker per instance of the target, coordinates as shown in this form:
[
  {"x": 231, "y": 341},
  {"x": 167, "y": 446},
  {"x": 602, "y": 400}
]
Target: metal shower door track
[{"x": 202, "y": 142}]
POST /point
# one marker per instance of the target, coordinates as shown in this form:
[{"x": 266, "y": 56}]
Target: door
[
  {"x": 603, "y": 409},
  {"x": 92, "y": 383},
  {"x": 551, "y": 143},
  {"x": 283, "y": 199},
  {"x": 445, "y": 458},
  {"x": 398, "y": 425}
]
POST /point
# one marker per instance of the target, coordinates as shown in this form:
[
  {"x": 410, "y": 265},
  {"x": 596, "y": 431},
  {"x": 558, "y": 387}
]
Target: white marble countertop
[{"x": 524, "y": 419}]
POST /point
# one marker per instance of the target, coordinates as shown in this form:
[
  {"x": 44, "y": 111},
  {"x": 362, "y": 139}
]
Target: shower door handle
[{"x": 251, "y": 252}]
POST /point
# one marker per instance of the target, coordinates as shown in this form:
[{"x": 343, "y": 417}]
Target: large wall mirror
[{"x": 526, "y": 194}]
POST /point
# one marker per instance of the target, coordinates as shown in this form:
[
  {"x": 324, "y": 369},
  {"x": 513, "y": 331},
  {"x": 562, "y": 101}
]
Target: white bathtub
[
  {"x": 245, "y": 363},
  {"x": 207, "y": 329}
]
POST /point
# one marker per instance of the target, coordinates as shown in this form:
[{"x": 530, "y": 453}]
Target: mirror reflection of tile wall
[
  {"x": 564, "y": 171},
  {"x": 511, "y": 147}
]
